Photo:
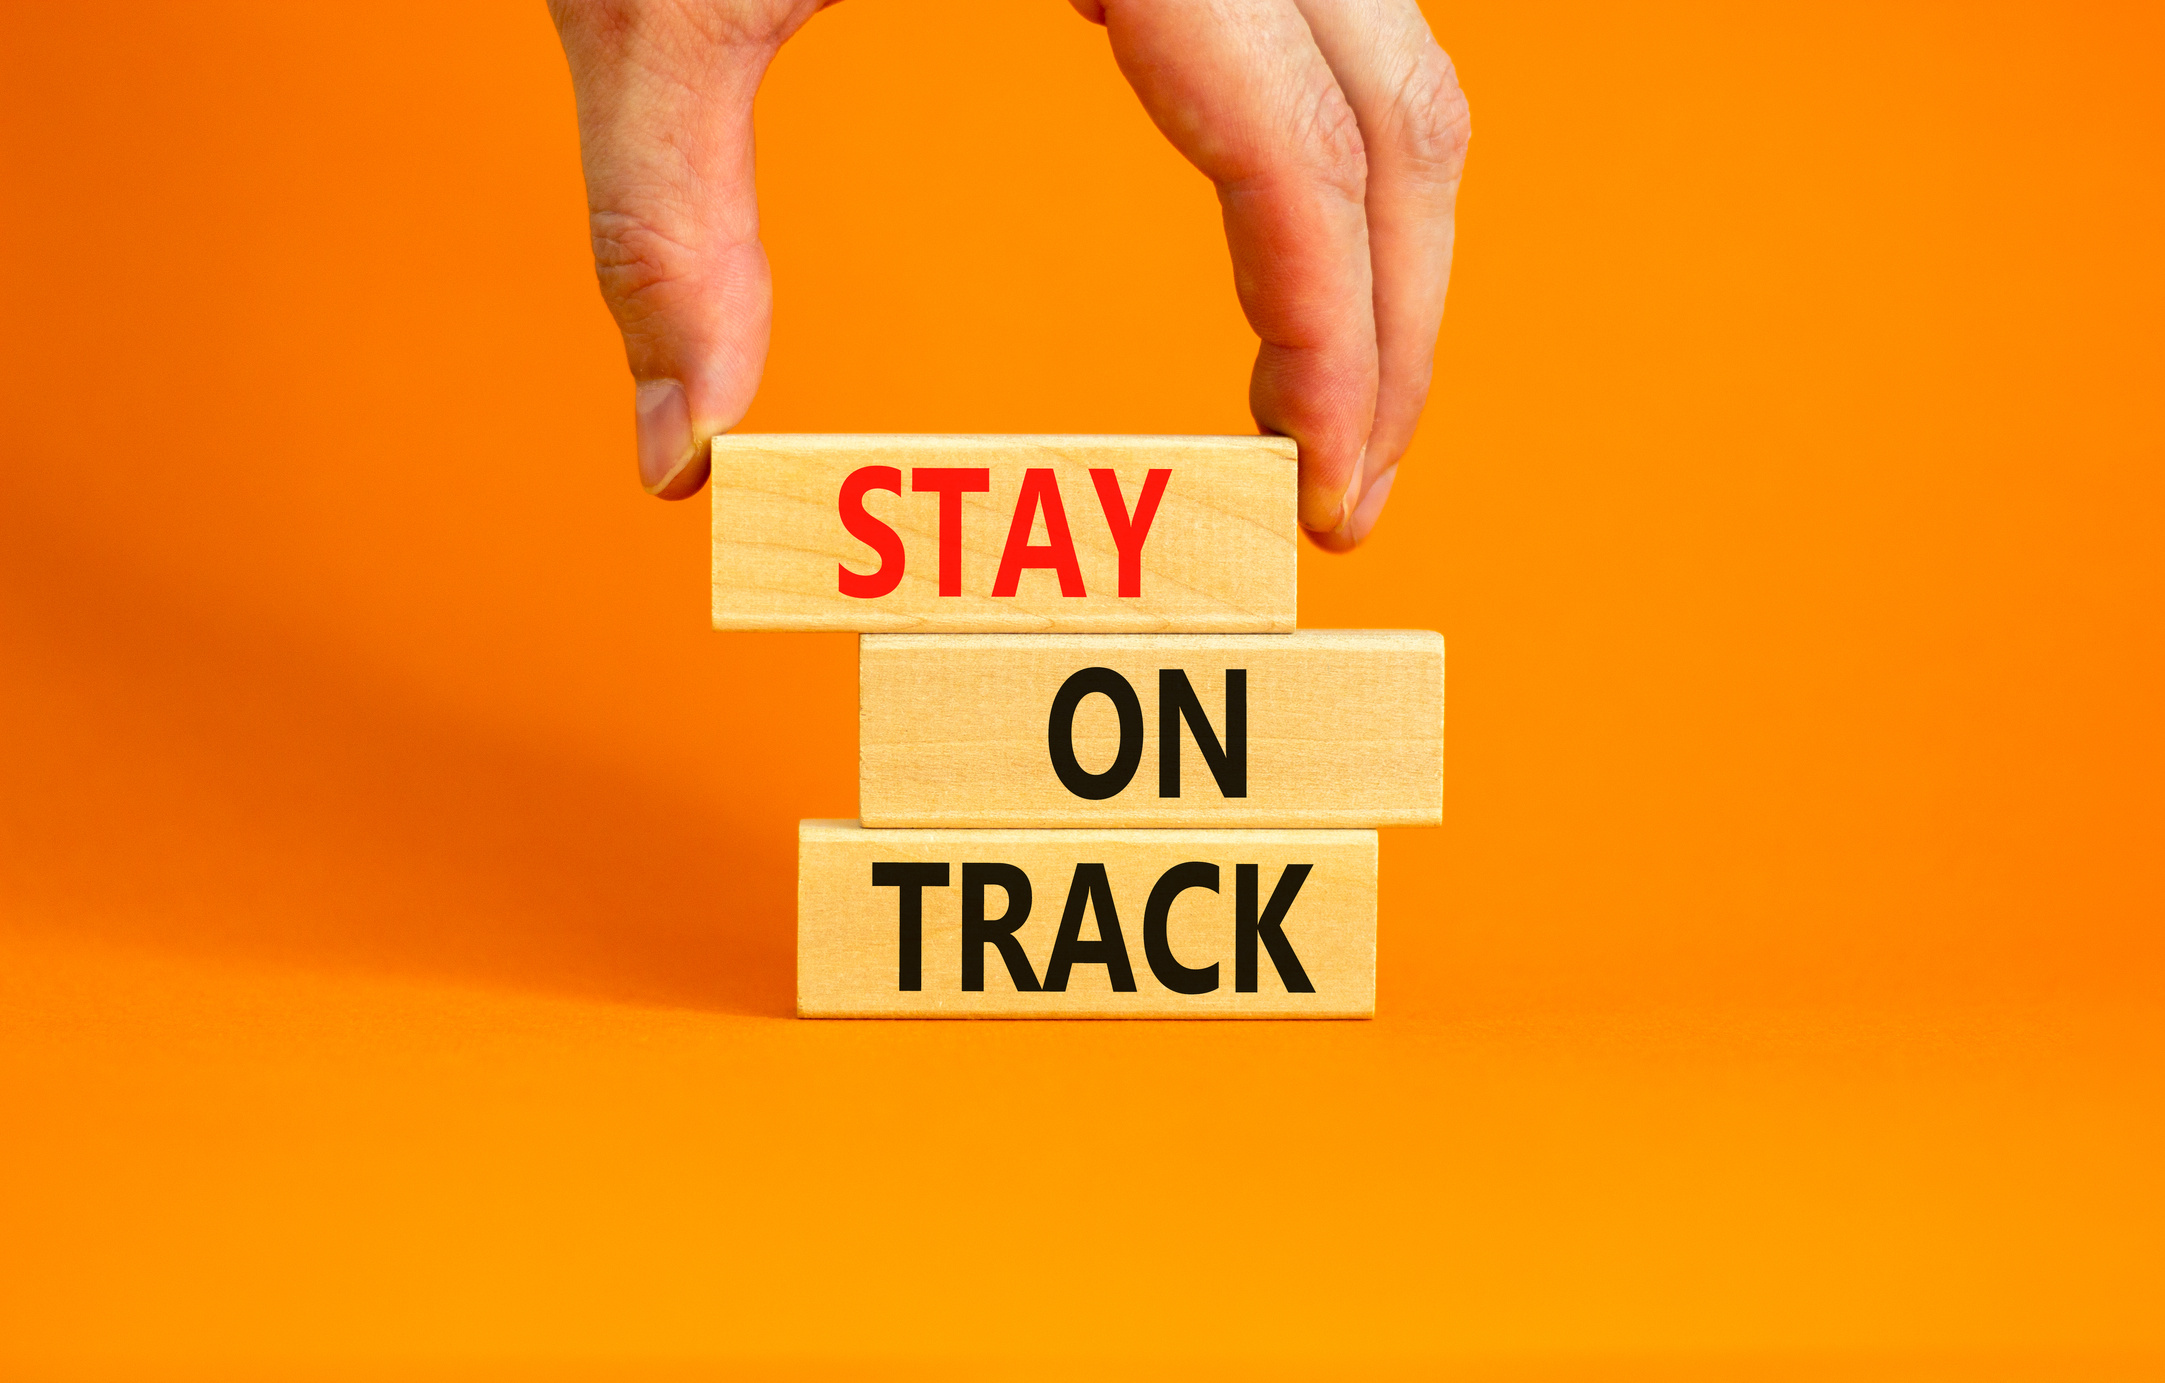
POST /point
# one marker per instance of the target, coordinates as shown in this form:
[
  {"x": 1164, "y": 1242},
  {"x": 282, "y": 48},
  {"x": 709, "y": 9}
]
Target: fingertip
[
  {"x": 1327, "y": 501},
  {"x": 686, "y": 480},
  {"x": 1360, "y": 520},
  {"x": 1327, "y": 406},
  {"x": 1321, "y": 514}
]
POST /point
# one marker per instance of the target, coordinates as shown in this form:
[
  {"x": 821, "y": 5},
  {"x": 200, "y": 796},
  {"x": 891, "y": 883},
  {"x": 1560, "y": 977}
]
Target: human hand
[{"x": 1334, "y": 131}]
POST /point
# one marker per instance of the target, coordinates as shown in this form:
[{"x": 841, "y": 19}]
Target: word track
[{"x": 1085, "y": 924}]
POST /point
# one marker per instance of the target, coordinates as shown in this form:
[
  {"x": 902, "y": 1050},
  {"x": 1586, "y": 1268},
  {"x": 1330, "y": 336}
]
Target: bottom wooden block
[{"x": 1084, "y": 924}]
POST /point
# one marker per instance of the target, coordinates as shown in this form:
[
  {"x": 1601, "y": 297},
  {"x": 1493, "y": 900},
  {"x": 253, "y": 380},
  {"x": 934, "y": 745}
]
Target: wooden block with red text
[
  {"x": 1022, "y": 534},
  {"x": 1084, "y": 924},
  {"x": 1323, "y": 727}
]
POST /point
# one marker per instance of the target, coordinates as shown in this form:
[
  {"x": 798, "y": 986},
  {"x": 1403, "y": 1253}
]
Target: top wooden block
[{"x": 943, "y": 534}]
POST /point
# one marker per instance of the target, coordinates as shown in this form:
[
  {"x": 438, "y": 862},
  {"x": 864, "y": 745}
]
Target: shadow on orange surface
[{"x": 257, "y": 802}]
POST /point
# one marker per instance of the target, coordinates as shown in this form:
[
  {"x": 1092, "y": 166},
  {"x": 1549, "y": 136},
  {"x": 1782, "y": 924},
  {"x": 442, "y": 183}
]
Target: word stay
[{"x": 1018, "y": 534}]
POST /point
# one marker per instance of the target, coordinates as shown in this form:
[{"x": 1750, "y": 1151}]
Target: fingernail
[
  {"x": 665, "y": 433},
  {"x": 1371, "y": 505}
]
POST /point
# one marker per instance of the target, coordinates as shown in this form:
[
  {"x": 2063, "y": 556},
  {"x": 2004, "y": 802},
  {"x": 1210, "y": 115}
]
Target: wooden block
[
  {"x": 1084, "y": 924},
  {"x": 1014, "y": 534},
  {"x": 1318, "y": 728}
]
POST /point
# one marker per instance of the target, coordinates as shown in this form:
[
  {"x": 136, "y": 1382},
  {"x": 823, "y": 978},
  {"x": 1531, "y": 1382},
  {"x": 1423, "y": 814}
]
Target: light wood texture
[
  {"x": 1343, "y": 728},
  {"x": 852, "y": 951},
  {"x": 1217, "y": 555}
]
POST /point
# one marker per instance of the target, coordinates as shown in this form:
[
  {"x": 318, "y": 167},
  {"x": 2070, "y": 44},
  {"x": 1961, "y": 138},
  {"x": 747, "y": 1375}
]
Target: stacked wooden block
[{"x": 1100, "y": 773}]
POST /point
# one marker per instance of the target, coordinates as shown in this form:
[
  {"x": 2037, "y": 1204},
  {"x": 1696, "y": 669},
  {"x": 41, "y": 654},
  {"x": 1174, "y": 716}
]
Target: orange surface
[{"x": 396, "y": 872}]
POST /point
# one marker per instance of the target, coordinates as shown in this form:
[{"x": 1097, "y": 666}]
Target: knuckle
[
  {"x": 639, "y": 266},
  {"x": 608, "y": 23},
  {"x": 1332, "y": 137},
  {"x": 676, "y": 21},
  {"x": 1434, "y": 123}
]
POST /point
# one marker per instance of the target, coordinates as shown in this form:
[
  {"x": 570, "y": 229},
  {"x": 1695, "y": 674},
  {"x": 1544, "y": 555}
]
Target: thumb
[{"x": 665, "y": 135}]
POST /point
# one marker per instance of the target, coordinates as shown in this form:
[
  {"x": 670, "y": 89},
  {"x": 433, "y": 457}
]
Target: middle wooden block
[{"x": 1338, "y": 728}]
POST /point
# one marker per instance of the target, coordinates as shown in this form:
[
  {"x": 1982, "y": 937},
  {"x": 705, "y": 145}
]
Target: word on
[{"x": 1319, "y": 727}]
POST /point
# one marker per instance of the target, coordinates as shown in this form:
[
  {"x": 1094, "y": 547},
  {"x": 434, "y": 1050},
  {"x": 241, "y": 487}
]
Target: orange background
[{"x": 397, "y": 874}]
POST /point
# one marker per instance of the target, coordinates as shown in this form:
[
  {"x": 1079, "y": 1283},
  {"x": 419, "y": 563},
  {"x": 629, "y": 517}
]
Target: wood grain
[
  {"x": 854, "y": 958},
  {"x": 1218, "y": 555},
  {"x": 1343, "y": 728}
]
